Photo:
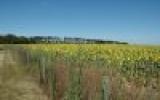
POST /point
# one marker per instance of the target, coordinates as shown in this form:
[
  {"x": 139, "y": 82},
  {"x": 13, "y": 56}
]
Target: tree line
[{"x": 13, "y": 39}]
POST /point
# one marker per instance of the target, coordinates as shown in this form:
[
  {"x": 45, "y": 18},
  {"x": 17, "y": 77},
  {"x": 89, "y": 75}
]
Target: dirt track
[
  {"x": 15, "y": 84},
  {"x": 1, "y": 58}
]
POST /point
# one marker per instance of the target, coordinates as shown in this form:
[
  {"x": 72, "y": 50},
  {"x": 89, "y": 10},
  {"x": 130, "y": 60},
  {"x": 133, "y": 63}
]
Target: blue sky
[{"x": 134, "y": 21}]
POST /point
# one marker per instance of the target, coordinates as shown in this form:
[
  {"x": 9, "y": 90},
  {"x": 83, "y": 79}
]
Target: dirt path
[
  {"x": 15, "y": 84},
  {"x": 1, "y": 58}
]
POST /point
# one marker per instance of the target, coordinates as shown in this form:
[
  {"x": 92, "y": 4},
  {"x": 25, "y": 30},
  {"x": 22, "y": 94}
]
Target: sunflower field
[{"x": 95, "y": 71}]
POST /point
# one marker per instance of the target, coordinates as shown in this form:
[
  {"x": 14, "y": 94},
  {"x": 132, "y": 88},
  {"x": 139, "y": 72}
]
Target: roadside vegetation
[{"x": 16, "y": 83}]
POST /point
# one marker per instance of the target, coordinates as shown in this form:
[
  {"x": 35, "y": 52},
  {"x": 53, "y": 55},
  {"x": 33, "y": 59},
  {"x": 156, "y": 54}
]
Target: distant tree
[{"x": 13, "y": 39}]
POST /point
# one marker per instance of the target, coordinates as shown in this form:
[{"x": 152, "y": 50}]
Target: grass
[{"x": 15, "y": 81}]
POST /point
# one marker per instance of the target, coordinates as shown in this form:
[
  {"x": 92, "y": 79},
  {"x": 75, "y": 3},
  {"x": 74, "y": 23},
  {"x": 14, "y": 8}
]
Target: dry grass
[
  {"x": 119, "y": 87},
  {"x": 15, "y": 83}
]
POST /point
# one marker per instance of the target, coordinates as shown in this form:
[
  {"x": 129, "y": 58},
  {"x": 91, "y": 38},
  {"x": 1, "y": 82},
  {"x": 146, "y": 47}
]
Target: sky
[{"x": 133, "y": 21}]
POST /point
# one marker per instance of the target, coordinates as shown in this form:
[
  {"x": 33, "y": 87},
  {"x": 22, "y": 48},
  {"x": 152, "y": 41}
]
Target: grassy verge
[{"x": 16, "y": 83}]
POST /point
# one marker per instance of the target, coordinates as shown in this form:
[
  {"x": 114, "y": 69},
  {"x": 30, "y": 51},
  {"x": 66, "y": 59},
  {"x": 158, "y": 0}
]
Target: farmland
[{"x": 93, "y": 71}]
